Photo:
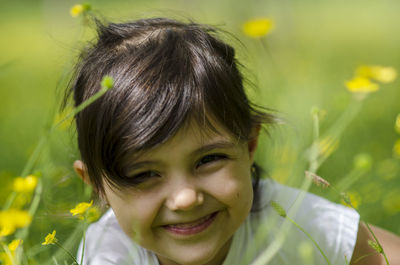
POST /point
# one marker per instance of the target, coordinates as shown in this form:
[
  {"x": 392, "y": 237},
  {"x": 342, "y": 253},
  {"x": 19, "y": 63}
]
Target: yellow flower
[
  {"x": 78, "y": 9},
  {"x": 361, "y": 84},
  {"x": 379, "y": 73},
  {"x": 50, "y": 239},
  {"x": 81, "y": 208},
  {"x": 257, "y": 28},
  {"x": 14, "y": 244},
  {"x": 6, "y": 259},
  {"x": 396, "y": 149},
  {"x": 354, "y": 198},
  {"x": 27, "y": 184},
  {"x": 93, "y": 214},
  {"x": 397, "y": 124},
  {"x": 12, "y": 219},
  {"x": 22, "y": 199}
]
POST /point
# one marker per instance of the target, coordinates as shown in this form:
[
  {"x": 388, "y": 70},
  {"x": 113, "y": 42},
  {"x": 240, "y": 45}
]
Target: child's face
[{"x": 195, "y": 192}]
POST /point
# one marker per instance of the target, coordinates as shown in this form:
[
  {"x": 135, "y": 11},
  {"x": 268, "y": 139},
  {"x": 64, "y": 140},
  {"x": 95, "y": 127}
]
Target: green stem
[
  {"x": 9, "y": 201},
  {"x": 347, "y": 181},
  {"x": 274, "y": 247},
  {"x": 32, "y": 159},
  {"x": 364, "y": 256},
  {"x": 36, "y": 199},
  {"x": 69, "y": 253},
  {"x": 377, "y": 241},
  {"x": 367, "y": 225},
  {"x": 27, "y": 168},
  {"x": 267, "y": 50},
  {"x": 83, "y": 105},
  {"x": 310, "y": 237},
  {"x": 345, "y": 198},
  {"x": 345, "y": 259},
  {"x": 274, "y": 65},
  {"x": 314, "y": 147},
  {"x": 69, "y": 243},
  {"x": 8, "y": 252},
  {"x": 337, "y": 129},
  {"x": 84, "y": 243},
  {"x": 345, "y": 119},
  {"x": 35, "y": 155},
  {"x": 55, "y": 260},
  {"x": 22, "y": 234}
]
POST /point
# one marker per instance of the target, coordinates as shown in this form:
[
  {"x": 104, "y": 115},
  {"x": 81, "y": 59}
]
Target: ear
[
  {"x": 81, "y": 170},
  {"x": 252, "y": 143}
]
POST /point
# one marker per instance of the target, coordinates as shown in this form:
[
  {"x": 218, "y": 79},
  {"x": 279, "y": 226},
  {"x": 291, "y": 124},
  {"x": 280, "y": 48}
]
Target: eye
[
  {"x": 210, "y": 159},
  {"x": 143, "y": 177}
]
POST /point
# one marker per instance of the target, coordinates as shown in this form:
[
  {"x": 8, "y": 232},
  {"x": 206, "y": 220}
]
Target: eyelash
[
  {"x": 147, "y": 175},
  {"x": 142, "y": 177},
  {"x": 215, "y": 157}
]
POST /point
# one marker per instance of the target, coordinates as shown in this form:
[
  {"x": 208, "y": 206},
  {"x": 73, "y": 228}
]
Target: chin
[
  {"x": 201, "y": 255},
  {"x": 194, "y": 260}
]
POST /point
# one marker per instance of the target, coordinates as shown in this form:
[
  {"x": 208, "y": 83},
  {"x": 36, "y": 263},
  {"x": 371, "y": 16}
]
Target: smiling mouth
[{"x": 192, "y": 227}]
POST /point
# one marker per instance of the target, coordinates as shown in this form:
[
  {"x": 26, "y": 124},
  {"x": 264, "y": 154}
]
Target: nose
[{"x": 185, "y": 199}]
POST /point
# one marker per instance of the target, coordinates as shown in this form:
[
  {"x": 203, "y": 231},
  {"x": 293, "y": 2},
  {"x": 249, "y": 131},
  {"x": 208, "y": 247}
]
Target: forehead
[{"x": 190, "y": 137}]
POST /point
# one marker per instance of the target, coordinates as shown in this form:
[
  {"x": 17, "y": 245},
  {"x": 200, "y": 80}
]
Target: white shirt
[{"x": 334, "y": 227}]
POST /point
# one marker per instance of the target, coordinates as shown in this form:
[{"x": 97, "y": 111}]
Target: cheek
[
  {"x": 233, "y": 187},
  {"x": 135, "y": 214}
]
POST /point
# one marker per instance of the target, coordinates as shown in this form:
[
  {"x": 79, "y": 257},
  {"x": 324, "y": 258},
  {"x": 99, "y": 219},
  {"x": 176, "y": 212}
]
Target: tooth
[{"x": 187, "y": 225}]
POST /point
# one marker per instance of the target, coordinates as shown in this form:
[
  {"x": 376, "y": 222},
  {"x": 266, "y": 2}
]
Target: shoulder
[
  {"x": 364, "y": 254},
  {"x": 334, "y": 227},
  {"x": 107, "y": 244}
]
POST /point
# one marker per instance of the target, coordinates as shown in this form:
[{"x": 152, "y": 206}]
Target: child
[{"x": 171, "y": 149}]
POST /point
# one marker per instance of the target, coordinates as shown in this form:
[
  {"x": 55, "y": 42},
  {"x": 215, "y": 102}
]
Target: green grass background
[{"x": 314, "y": 49}]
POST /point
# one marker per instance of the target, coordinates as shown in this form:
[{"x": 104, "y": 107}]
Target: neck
[{"x": 218, "y": 259}]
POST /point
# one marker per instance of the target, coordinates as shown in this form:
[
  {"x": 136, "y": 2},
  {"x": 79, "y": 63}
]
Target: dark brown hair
[{"x": 165, "y": 73}]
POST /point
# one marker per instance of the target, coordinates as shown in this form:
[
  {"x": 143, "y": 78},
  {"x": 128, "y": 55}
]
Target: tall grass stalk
[
  {"x": 44, "y": 139},
  {"x": 347, "y": 200},
  {"x": 282, "y": 212},
  {"x": 347, "y": 181},
  {"x": 8, "y": 252},
  {"x": 66, "y": 251},
  {"x": 310, "y": 238},
  {"x": 84, "y": 243},
  {"x": 382, "y": 251},
  {"x": 55, "y": 260},
  {"x": 106, "y": 84},
  {"x": 68, "y": 244},
  {"x": 277, "y": 244},
  {"x": 336, "y": 130},
  {"x": 315, "y": 159}
]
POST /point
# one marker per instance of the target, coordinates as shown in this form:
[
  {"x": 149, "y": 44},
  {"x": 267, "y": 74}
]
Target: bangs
[
  {"x": 166, "y": 75},
  {"x": 174, "y": 85}
]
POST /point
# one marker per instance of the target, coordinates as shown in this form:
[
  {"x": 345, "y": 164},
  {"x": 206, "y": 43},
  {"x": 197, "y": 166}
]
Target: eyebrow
[
  {"x": 203, "y": 149},
  {"x": 212, "y": 146}
]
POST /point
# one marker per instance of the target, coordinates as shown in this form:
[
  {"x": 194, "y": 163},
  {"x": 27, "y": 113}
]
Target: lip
[{"x": 192, "y": 228}]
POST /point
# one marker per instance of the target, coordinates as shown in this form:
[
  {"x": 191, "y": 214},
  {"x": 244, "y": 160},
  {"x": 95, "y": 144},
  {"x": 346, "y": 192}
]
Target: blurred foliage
[{"x": 304, "y": 62}]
